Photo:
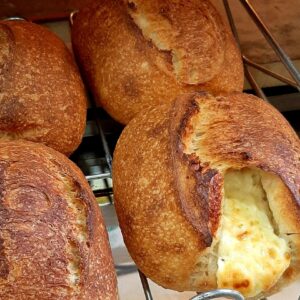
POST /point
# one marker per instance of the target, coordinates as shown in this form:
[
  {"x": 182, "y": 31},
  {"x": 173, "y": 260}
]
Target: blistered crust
[
  {"x": 42, "y": 97},
  {"x": 53, "y": 241},
  {"x": 169, "y": 168},
  {"x": 138, "y": 54}
]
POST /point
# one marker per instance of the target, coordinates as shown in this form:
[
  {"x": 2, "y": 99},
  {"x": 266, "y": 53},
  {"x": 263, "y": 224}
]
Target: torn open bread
[
  {"x": 207, "y": 194},
  {"x": 53, "y": 241},
  {"x": 137, "y": 54}
]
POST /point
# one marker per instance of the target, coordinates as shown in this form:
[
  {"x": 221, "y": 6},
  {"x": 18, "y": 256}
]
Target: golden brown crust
[
  {"x": 53, "y": 242},
  {"x": 169, "y": 199},
  {"x": 42, "y": 97},
  {"x": 151, "y": 219},
  {"x": 138, "y": 54}
]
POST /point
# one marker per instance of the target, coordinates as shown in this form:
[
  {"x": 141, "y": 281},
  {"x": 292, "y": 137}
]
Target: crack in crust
[
  {"x": 199, "y": 186},
  {"x": 4, "y": 266},
  {"x": 7, "y": 42},
  {"x": 185, "y": 31}
]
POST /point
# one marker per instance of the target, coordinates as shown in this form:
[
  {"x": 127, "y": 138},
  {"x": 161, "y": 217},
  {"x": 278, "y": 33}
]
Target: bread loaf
[
  {"x": 137, "y": 54},
  {"x": 42, "y": 97},
  {"x": 53, "y": 242},
  {"x": 207, "y": 194}
]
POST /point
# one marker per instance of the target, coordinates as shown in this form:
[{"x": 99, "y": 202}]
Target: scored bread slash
[{"x": 207, "y": 194}]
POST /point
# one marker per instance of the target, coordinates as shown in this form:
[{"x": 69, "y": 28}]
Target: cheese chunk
[{"x": 251, "y": 257}]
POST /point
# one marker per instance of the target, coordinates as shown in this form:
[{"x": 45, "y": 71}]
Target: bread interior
[
  {"x": 77, "y": 214},
  {"x": 159, "y": 31},
  {"x": 252, "y": 251}
]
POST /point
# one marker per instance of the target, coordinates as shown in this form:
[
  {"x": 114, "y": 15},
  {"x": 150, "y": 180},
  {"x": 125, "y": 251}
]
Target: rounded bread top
[
  {"x": 138, "y": 54},
  {"x": 41, "y": 93}
]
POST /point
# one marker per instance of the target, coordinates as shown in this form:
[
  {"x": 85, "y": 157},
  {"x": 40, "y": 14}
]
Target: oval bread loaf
[
  {"x": 137, "y": 54},
  {"x": 53, "y": 241},
  {"x": 42, "y": 98},
  {"x": 207, "y": 194}
]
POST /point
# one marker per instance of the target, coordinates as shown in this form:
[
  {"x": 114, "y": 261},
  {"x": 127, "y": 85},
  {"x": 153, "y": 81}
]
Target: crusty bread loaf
[
  {"x": 42, "y": 98},
  {"x": 207, "y": 194},
  {"x": 137, "y": 54},
  {"x": 53, "y": 242}
]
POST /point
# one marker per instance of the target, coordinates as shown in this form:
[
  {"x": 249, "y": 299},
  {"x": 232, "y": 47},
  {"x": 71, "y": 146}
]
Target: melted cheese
[{"x": 251, "y": 256}]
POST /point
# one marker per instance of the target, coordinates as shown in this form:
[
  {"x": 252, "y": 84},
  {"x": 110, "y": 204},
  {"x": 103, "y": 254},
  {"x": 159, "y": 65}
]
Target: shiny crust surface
[
  {"x": 138, "y": 54},
  {"x": 168, "y": 199},
  {"x": 42, "y": 98},
  {"x": 53, "y": 241}
]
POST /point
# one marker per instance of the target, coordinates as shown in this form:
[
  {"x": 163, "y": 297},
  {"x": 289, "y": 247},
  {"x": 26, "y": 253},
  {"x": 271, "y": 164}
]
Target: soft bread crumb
[
  {"x": 252, "y": 257},
  {"x": 73, "y": 264}
]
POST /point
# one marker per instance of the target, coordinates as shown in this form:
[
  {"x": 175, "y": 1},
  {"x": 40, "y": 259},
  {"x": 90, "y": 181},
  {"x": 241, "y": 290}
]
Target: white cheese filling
[{"x": 251, "y": 257}]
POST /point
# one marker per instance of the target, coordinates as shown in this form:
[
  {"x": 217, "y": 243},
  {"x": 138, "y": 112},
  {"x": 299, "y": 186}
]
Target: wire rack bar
[
  {"x": 104, "y": 143},
  {"x": 146, "y": 287},
  {"x": 268, "y": 72},
  {"x": 98, "y": 176},
  {"x": 272, "y": 41},
  {"x": 229, "y": 294},
  {"x": 15, "y": 18},
  {"x": 259, "y": 92}
]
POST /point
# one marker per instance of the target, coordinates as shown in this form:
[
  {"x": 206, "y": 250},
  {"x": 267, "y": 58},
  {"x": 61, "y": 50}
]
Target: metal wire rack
[{"x": 104, "y": 172}]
